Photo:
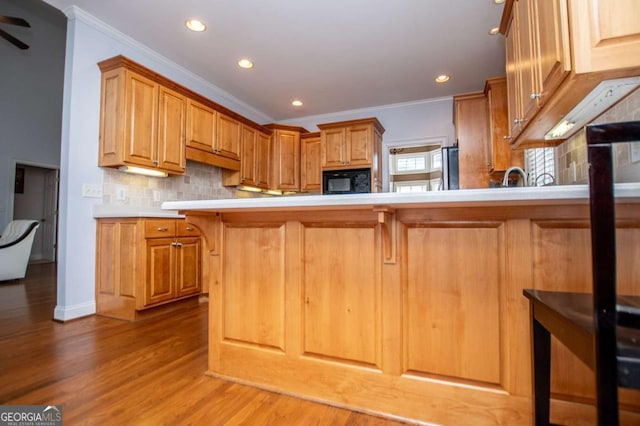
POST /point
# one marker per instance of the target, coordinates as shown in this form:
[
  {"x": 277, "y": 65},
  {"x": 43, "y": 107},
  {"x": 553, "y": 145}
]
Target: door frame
[{"x": 11, "y": 202}]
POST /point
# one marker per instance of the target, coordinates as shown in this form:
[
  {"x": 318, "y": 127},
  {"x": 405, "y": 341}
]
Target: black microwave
[{"x": 354, "y": 181}]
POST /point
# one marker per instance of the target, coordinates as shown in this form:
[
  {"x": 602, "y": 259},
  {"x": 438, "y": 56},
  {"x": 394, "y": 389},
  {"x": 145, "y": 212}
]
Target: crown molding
[{"x": 75, "y": 13}]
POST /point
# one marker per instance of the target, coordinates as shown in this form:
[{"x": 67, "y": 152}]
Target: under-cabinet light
[
  {"x": 142, "y": 171},
  {"x": 249, "y": 188},
  {"x": 600, "y": 99}
]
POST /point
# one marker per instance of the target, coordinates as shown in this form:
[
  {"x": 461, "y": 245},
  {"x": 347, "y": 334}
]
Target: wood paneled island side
[{"x": 405, "y": 305}]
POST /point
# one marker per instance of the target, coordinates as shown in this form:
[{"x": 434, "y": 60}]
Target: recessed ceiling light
[
  {"x": 494, "y": 30},
  {"x": 297, "y": 103},
  {"x": 498, "y": 1},
  {"x": 442, "y": 78},
  {"x": 195, "y": 25},
  {"x": 245, "y": 63}
]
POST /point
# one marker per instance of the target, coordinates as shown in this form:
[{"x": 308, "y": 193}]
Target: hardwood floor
[{"x": 151, "y": 372}]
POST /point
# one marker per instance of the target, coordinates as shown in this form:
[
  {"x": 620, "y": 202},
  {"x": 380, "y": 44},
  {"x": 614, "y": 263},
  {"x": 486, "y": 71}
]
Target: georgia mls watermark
[{"x": 30, "y": 415}]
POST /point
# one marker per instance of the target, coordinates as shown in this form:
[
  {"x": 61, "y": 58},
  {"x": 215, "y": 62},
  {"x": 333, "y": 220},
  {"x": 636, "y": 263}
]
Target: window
[
  {"x": 540, "y": 163},
  {"x": 415, "y": 168},
  {"x": 411, "y": 186},
  {"x": 410, "y": 163}
]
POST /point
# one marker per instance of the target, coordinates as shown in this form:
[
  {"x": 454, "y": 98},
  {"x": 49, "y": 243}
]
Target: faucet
[
  {"x": 505, "y": 181},
  {"x": 545, "y": 175}
]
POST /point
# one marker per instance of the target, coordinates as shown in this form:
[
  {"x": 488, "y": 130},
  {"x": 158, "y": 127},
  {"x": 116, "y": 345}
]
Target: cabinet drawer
[
  {"x": 158, "y": 228},
  {"x": 185, "y": 229}
]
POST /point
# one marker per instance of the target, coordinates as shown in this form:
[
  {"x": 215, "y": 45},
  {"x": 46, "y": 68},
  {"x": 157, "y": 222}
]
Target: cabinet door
[
  {"x": 333, "y": 147},
  {"x": 360, "y": 145},
  {"x": 262, "y": 160},
  {"x": 286, "y": 153},
  {"x": 310, "y": 170},
  {"x": 248, "y": 158},
  {"x": 499, "y": 149},
  {"x": 201, "y": 126},
  {"x": 471, "y": 130},
  {"x": 160, "y": 271},
  {"x": 605, "y": 34},
  {"x": 187, "y": 264},
  {"x": 552, "y": 32},
  {"x": 171, "y": 130},
  {"x": 141, "y": 104},
  {"x": 513, "y": 78},
  {"x": 228, "y": 137},
  {"x": 527, "y": 60}
]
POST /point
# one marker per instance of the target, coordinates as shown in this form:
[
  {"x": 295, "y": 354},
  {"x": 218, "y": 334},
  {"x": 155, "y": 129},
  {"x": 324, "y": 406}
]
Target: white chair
[{"x": 15, "y": 248}]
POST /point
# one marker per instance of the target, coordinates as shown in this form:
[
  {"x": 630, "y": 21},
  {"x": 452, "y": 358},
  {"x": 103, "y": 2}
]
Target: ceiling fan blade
[
  {"x": 13, "y": 40},
  {"x": 14, "y": 21}
]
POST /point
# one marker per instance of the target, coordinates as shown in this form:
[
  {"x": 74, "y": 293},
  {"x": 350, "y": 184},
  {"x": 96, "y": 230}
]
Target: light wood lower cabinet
[
  {"x": 412, "y": 312},
  {"x": 144, "y": 263}
]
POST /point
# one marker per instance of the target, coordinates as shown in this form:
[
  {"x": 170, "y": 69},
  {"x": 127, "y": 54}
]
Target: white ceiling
[{"x": 334, "y": 55}]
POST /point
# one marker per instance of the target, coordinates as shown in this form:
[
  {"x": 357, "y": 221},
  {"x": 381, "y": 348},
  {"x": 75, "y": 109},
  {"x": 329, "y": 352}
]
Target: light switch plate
[{"x": 91, "y": 191}]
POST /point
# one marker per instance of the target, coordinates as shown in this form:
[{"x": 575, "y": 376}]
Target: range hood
[{"x": 601, "y": 98}]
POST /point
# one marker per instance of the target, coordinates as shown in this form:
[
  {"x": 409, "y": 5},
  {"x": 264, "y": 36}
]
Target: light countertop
[
  {"x": 109, "y": 211},
  {"x": 546, "y": 195}
]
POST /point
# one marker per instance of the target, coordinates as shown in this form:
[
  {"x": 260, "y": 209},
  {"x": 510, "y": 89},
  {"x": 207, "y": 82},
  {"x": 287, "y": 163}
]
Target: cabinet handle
[
  {"x": 176, "y": 244},
  {"x": 162, "y": 229},
  {"x": 535, "y": 96},
  {"x": 188, "y": 228},
  {"x": 155, "y": 162},
  {"x": 518, "y": 121},
  {"x": 506, "y": 137}
]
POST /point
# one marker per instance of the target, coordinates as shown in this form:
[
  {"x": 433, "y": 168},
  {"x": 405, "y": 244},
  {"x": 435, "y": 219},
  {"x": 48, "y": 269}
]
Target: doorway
[
  {"x": 36, "y": 197},
  {"x": 415, "y": 166}
]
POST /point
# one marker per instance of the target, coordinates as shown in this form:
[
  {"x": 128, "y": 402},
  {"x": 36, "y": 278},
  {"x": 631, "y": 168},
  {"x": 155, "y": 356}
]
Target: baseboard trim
[{"x": 66, "y": 313}]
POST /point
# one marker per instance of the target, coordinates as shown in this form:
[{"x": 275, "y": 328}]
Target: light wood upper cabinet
[
  {"x": 310, "y": 168},
  {"x": 262, "y": 160},
  {"x": 537, "y": 57},
  {"x": 201, "y": 126},
  {"x": 285, "y": 157},
  {"x": 248, "y": 160},
  {"x": 228, "y": 137},
  {"x": 557, "y": 51},
  {"x": 499, "y": 153},
  {"x": 471, "y": 123},
  {"x": 334, "y": 142},
  {"x": 350, "y": 144},
  {"x": 605, "y": 34},
  {"x": 171, "y": 130},
  {"x": 142, "y": 123}
]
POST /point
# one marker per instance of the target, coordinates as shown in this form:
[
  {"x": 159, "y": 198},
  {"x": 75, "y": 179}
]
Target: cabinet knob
[
  {"x": 162, "y": 229},
  {"x": 535, "y": 96},
  {"x": 155, "y": 162}
]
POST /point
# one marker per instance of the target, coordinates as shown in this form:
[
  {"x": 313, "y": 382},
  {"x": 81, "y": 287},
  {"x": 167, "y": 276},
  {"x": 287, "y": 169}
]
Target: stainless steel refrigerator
[{"x": 450, "y": 168}]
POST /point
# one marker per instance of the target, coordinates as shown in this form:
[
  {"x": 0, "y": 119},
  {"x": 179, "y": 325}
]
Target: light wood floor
[{"x": 111, "y": 372}]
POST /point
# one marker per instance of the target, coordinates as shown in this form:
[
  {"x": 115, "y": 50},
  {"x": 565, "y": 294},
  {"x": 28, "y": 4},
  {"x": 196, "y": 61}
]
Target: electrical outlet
[
  {"x": 121, "y": 193},
  {"x": 91, "y": 191},
  {"x": 156, "y": 195}
]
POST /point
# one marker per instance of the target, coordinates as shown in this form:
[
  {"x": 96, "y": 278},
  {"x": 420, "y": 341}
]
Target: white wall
[{"x": 31, "y": 84}]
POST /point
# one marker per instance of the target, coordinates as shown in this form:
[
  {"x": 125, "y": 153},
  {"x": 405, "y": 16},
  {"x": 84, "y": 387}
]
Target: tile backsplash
[
  {"x": 571, "y": 156},
  {"x": 202, "y": 182}
]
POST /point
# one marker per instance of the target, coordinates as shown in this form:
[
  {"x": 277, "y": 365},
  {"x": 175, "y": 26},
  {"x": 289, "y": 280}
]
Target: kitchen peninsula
[{"x": 406, "y": 305}]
